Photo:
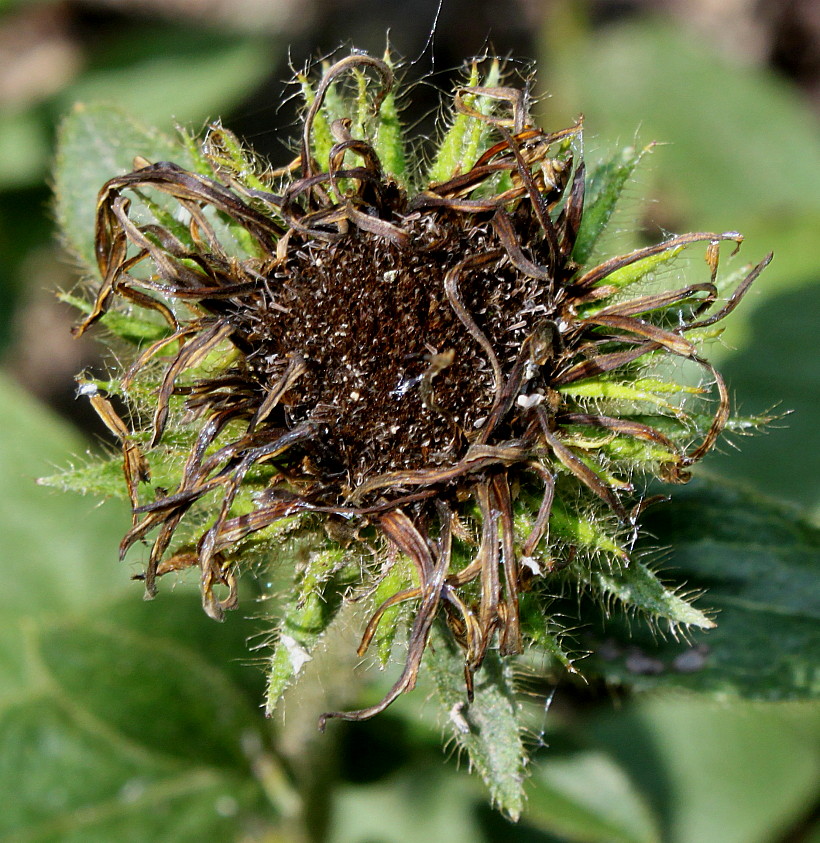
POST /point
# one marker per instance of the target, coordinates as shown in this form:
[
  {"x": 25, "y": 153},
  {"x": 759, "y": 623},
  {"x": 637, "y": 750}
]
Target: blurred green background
[{"x": 121, "y": 720}]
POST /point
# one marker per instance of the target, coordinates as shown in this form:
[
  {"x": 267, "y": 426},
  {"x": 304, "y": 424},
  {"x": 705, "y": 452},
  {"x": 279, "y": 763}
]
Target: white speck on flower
[
  {"x": 297, "y": 654},
  {"x": 527, "y": 402},
  {"x": 86, "y": 389},
  {"x": 532, "y": 564},
  {"x": 457, "y": 718}
]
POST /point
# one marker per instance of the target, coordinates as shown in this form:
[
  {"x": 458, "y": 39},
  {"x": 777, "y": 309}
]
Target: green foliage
[
  {"x": 756, "y": 563},
  {"x": 200, "y": 75}
]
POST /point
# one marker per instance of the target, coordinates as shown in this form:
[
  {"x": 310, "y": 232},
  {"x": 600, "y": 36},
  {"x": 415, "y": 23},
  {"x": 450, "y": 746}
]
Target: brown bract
[{"x": 398, "y": 357}]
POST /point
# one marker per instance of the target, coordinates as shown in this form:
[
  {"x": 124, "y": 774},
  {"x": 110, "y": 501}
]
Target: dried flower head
[{"x": 421, "y": 358}]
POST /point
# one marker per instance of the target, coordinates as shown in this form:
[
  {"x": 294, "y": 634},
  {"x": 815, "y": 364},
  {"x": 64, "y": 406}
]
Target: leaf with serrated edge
[
  {"x": 636, "y": 587},
  {"x": 486, "y": 729},
  {"x": 758, "y": 563}
]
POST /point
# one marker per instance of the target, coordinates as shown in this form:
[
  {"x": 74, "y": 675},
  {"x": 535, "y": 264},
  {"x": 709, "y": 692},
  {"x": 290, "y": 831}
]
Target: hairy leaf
[
  {"x": 487, "y": 729},
  {"x": 758, "y": 564}
]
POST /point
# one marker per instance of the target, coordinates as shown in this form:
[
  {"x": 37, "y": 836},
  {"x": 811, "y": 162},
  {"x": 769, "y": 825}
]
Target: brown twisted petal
[
  {"x": 154, "y": 348},
  {"x": 601, "y": 364},
  {"x": 582, "y": 471},
  {"x": 644, "y": 304},
  {"x": 410, "y": 542},
  {"x": 373, "y": 623},
  {"x": 537, "y": 201},
  {"x": 342, "y": 66},
  {"x": 293, "y": 371},
  {"x": 218, "y": 573},
  {"x": 622, "y": 426},
  {"x": 669, "y": 340},
  {"x": 515, "y": 96},
  {"x": 721, "y": 415},
  {"x": 454, "y": 298},
  {"x": 477, "y": 458},
  {"x": 511, "y": 643},
  {"x": 463, "y": 183},
  {"x": 191, "y": 354},
  {"x": 183, "y": 184},
  {"x": 734, "y": 299},
  {"x": 541, "y": 523},
  {"x": 135, "y": 465},
  {"x": 509, "y": 240},
  {"x": 487, "y": 561},
  {"x": 274, "y": 448},
  {"x": 570, "y": 220}
]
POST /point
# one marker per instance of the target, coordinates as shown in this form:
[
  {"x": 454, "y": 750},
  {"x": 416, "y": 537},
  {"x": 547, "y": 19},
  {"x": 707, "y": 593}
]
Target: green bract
[{"x": 406, "y": 369}]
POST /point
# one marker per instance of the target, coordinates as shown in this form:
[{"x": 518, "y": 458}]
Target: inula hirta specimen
[{"x": 412, "y": 364}]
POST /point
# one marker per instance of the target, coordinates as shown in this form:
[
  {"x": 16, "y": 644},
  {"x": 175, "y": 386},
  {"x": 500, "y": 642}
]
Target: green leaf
[
  {"x": 778, "y": 367},
  {"x": 126, "y": 733},
  {"x": 758, "y": 565},
  {"x": 422, "y": 801},
  {"x": 159, "y": 74},
  {"x": 586, "y": 796},
  {"x": 94, "y": 144},
  {"x": 735, "y": 772},
  {"x": 487, "y": 729},
  {"x": 59, "y": 552},
  {"x": 24, "y": 148},
  {"x": 652, "y": 74},
  {"x": 604, "y": 186}
]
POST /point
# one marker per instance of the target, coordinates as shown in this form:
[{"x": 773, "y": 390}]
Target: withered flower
[{"x": 423, "y": 359}]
